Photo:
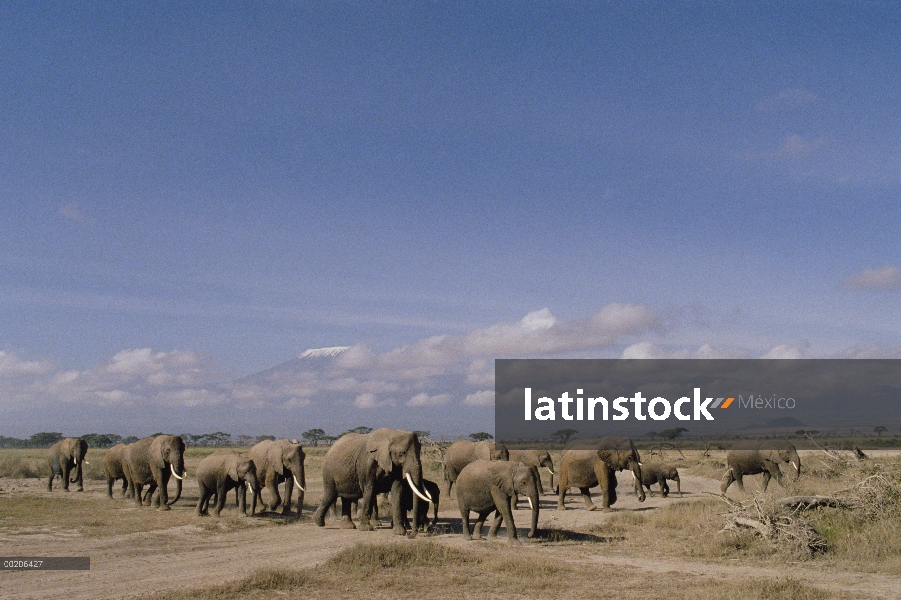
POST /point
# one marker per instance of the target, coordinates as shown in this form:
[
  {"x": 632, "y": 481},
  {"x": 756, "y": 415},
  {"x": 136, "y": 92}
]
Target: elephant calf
[
  {"x": 113, "y": 469},
  {"x": 652, "y": 473},
  {"x": 750, "y": 457},
  {"x": 484, "y": 486},
  {"x": 223, "y": 471},
  {"x": 406, "y": 504}
]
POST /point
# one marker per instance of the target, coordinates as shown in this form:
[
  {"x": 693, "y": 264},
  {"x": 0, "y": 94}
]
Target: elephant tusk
[
  {"x": 549, "y": 470},
  {"x": 297, "y": 483},
  {"x": 86, "y": 462},
  {"x": 531, "y": 506},
  {"x": 172, "y": 467},
  {"x": 415, "y": 491},
  {"x": 76, "y": 460},
  {"x": 432, "y": 500}
]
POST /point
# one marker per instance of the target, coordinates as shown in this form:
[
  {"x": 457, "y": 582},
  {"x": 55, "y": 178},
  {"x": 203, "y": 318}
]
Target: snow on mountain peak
[{"x": 323, "y": 352}]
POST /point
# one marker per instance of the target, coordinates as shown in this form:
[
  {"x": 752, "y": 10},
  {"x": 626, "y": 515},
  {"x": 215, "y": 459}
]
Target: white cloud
[
  {"x": 424, "y": 399},
  {"x": 370, "y": 400},
  {"x": 482, "y": 398},
  {"x": 647, "y": 350},
  {"x": 13, "y": 366},
  {"x": 783, "y": 351},
  {"x": 881, "y": 279}
]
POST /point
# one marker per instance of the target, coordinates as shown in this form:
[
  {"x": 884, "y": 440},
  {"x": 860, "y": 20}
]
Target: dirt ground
[{"x": 195, "y": 551}]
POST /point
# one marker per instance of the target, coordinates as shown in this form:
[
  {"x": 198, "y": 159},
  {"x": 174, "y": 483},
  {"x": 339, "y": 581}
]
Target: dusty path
[{"x": 188, "y": 556}]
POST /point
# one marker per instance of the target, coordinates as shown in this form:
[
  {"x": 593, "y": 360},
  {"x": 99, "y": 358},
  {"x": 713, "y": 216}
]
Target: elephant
[
  {"x": 463, "y": 452},
  {"x": 223, "y": 471},
  {"x": 151, "y": 461},
  {"x": 65, "y": 455},
  {"x": 585, "y": 469},
  {"x": 652, "y": 473},
  {"x": 112, "y": 468},
  {"x": 361, "y": 466},
  {"x": 484, "y": 486},
  {"x": 277, "y": 461},
  {"x": 535, "y": 459},
  {"x": 751, "y": 457}
]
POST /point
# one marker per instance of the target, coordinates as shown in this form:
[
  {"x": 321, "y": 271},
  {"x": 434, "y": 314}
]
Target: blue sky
[{"x": 207, "y": 191}]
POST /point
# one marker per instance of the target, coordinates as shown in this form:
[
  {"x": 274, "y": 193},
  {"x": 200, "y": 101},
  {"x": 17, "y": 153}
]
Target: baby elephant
[
  {"x": 652, "y": 473},
  {"x": 223, "y": 471},
  {"x": 484, "y": 486},
  {"x": 406, "y": 504}
]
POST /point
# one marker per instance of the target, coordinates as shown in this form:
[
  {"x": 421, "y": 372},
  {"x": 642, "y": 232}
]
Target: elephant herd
[{"x": 358, "y": 467}]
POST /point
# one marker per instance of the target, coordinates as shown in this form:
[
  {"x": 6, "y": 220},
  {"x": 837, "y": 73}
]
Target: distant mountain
[
  {"x": 781, "y": 422},
  {"x": 313, "y": 359}
]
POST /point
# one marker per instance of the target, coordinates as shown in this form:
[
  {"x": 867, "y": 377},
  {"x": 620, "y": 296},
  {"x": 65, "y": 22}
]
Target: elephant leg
[
  {"x": 586, "y": 496},
  {"x": 328, "y": 500},
  {"x": 727, "y": 480},
  {"x": 495, "y": 525},
  {"x": 66, "y": 471},
  {"x": 502, "y": 502},
  {"x": 480, "y": 521},
  {"x": 346, "y": 510},
  {"x": 221, "y": 491},
  {"x": 109, "y": 487},
  {"x": 138, "y": 488},
  {"x": 561, "y": 495},
  {"x": 399, "y": 515},
  {"x": 366, "y": 506},
  {"x": 464, "y": 517},
  {"x": 739, "y": 481},
  {"x": 241, "y": 498},
  {"x": 204, "y": 494},
  {"x": 275, "y": 500},
  {"x": 664, "y": 489},
  {"x": 766, "y": 479}
]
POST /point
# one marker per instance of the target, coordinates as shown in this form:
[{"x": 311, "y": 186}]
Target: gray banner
[
  {"x": 537, "y": 399},
  {"x": 45, "y": 563}
]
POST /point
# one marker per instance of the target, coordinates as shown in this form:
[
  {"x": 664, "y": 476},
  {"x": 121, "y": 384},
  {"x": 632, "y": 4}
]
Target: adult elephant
[
  {"x": 279, "y": 461},
  {"x": 361, "y": 466},
  {"x": 535, "y": 459},
  {"x": 151, "y": 461},
  {"x": 484, "y": 486},
  {"x": 113, "y": 469},
  {"x": 750, "y": 457},
  {"x": 658, "y": 473},
  {"x": 585, "y": 469},
  {"x": 223, "y": 471},
  {"x": 463, "y": 452},
  {"x": 64, "y": 457}
]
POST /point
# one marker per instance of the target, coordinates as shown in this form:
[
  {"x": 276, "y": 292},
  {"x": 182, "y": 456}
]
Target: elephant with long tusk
[
  {"x": 279, "y": 461},
  {"x": 535, "y": 459},
  {"x": 152, "y": 461},
  {"x": 361, "y": 466},
  {"x": 65, "y": 459},
  {"x": 585, "y": 469}
]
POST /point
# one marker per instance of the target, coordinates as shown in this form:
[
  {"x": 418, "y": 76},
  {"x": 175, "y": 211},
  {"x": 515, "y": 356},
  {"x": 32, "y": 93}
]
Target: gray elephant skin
[
  {"x": 484, "y": 486},
  {"x": 751, "y": 457},
  {"x": 113, "y": 469},
  {"x": 152, "y": 461},
  {"x": 65, "y": 456},
  {"x": 221, "y": 472},
  {"x": 463, "y": 452},
  {"x": 585, "y": 469},
  {"x": 535, "y": 460},
  {"x": 361, "y": 466},
  {"x": 658, "y": 473},
  {"x": 279, "y": 461}
]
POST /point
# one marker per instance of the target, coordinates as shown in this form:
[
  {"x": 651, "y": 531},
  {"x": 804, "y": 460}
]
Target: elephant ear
[
  {"x": 379, "y": 448},
  {"x": 233, "y": 470},
  {"x": 503, "y": 478}
]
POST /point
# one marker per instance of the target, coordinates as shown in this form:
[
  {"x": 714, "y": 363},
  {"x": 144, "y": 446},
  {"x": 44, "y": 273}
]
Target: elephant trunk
[
  {"x": 179, "y": 467},
  {"x": 77, "y": 476},
  {"x": 679, "y": 486},
  {"x": 413, "y": 475}
]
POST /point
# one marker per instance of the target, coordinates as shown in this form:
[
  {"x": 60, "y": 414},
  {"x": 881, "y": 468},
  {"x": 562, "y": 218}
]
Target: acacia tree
[
  {"x": 481, "y": 436},
  {"x": 314, "y": 436},
  {"x": 564, "y": 434},
  {"x": 879, "y": 430}
]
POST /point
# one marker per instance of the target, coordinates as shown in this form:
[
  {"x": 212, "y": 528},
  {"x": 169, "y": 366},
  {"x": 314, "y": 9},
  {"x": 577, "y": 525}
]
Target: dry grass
[{"x": 430, "y": 570}]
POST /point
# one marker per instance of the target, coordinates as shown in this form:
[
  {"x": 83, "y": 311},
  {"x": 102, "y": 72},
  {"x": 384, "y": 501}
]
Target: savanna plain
[{"x": 692, "y": 546}]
